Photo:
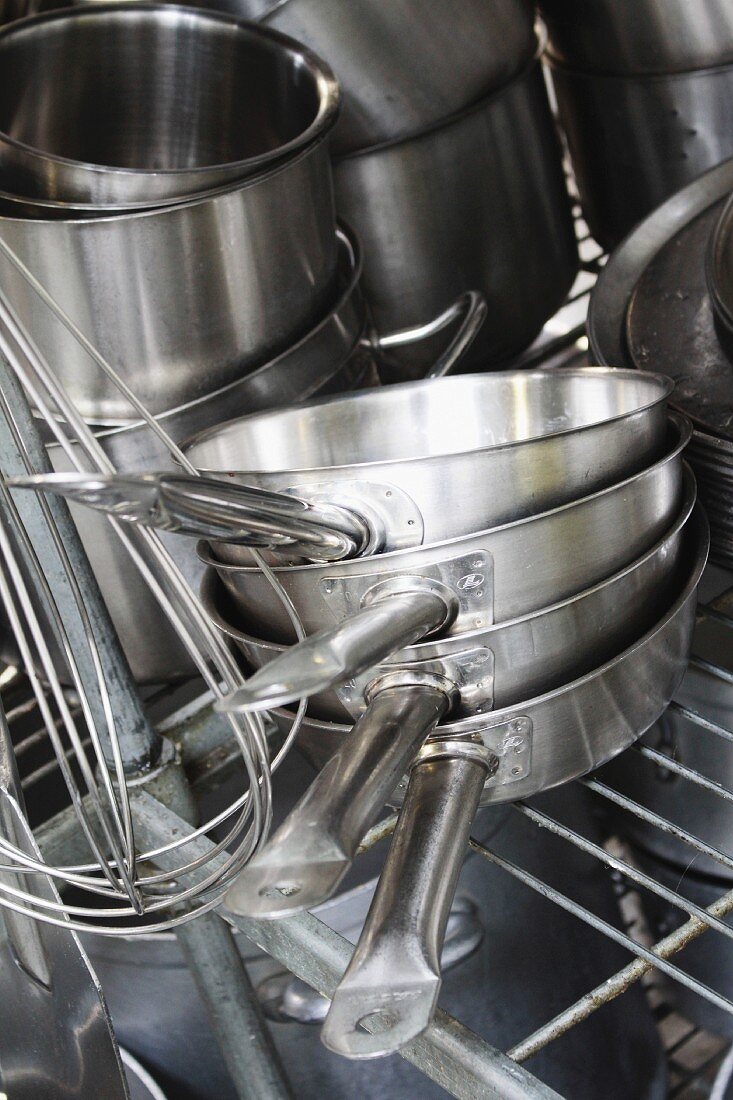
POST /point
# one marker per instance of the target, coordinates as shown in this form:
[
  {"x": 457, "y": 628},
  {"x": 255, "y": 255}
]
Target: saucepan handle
[
  {"x": 388, "y": 994},
  {"x": 306, "y": 858},
  {"x": 332, "y": 656},
  {"x": 470, "y": 306}
]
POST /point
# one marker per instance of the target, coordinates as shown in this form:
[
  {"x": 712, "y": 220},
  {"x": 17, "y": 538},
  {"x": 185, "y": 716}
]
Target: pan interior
[{"x": 421, "y": 420}]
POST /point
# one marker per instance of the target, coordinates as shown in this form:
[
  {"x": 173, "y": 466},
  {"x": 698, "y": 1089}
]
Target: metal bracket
[
  {"x": 471, "y": 671},
  {"x": 470, "y": 578},
  {"x": 395, "y": 521},
  {"x": 510, "y": 740}
]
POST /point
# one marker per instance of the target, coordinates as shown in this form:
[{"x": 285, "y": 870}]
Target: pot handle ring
[{"x": 470, "y": 306}]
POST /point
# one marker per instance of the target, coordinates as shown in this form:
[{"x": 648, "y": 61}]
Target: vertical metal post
[
  {"x": 234, "y": 1011},
  {"x": 20, "y": 443}
]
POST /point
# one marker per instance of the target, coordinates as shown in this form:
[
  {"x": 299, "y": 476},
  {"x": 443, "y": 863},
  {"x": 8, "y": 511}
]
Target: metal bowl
[
  {"x": 158, "y": 101},
  {"x": 469, "y": 452},
  {"x": 529, "y": 655},
  {"x": 515, "y": 568},
  {"x": 648, "y": 36}
]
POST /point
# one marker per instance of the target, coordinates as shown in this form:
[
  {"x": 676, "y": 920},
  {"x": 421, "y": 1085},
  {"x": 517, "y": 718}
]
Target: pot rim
[
  {"x": 324, "y": 78},
  {"x": 394, "y": 558}
]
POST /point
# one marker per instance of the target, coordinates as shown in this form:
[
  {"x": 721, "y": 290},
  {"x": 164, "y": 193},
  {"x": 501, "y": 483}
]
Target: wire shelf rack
[{"x": 464, "y": 1064}]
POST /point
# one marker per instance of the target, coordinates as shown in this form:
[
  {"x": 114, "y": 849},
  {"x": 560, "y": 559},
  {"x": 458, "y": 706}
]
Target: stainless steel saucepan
[
  {"x": 184, "y": 298},
  {"x": 159, "y": 101},
  {"x": 469, "y": 676},
  {"x": 447, "y": 457},
  {"x": 388, "y": 993},
  {"x": 510, "y": 660},
  {"x": 487, "y": 576}
]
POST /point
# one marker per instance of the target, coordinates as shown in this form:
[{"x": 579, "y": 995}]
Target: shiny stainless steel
[
  {"x": 389, "y": 92},
  {"x": 308, "y": 856},
  {"x": 683, "y": 734},
  {"x": 389, "y": 991},
  {"x": 133, "y": 284},
  {"x": 471, "y": 452},
  {"x": 525, "y": 656},
  {"x": 212, "y": 508},
  {"x": 526, "y": 565},
  {"x": 152, "y": 647},
  {"x": 141, "y": 1084},
  {"x": 650, "y": 36},
  {"x": 582, "y": 724},
  {"x": 439, "y": 213},
  {"x": 720, "y": 276},
  {"x": 56, "y": 1036},
  {"x": 393, "y": 615},
  {"x": 635, "y": 140},
  {"x": 159, "y": 102}
]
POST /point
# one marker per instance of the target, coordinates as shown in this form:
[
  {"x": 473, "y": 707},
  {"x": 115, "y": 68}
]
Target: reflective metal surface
[
  {"x": 56, "y": 1039},
  {"x": 453, "y": 56},
  {"x": 469, "y": 452},
  {"x": 581, "y": 725},
  {"x": 158, "y": 102},
  {"x": 182, "y": 299},
  {"x": 527, "y": 564},
  {"x": 441, "y": 212},
  {"x": 635, "y": 140},
  {"x": 706, "y": 692},
  {"x": 651, "y": 305},
  {"x": 648, "y": 36},
  {"x": 526, "y": 656}
]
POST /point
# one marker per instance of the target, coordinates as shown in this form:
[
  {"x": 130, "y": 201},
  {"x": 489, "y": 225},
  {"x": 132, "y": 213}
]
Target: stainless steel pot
[
  {"x": 521, "y": 658},
  {"x": 689, "y": 806},
  {"x": 185, "y": 298},
  {"x": 159, "y": 101},
  {"x": 393, "y": 978},
  {"x": 719, "y": 271},
  {"x": 498, "y": 574},
  {"x": 649, "y": 36},
  {"x": 476, "y": 202},
  {"x": 320, "y": 363},
  {"x": 634, "y": 140},
  {"x": 453, "y": 56},
  {"x": 451, "y": 456}
]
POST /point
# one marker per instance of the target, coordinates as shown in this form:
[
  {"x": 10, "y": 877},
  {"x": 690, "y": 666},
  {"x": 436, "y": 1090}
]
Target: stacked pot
[
  {"x": 643, "y": 92},
  {"x": 512, "y": 563},
  {"x": 176, "y": 204},
  {"x": 446, "y": 161}
]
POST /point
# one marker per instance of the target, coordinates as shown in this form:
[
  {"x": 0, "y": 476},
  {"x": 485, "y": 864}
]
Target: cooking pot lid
[{"x": 670, "y": 326}]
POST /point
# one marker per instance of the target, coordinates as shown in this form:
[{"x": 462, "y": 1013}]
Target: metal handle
[
  {"x": 212, "y": 508},
  {"x": 306, "y": 858},
  {"x": 388, "y": 994},
  {"x": 471, "y": 306},
  {"x": 332, "y": 656}
]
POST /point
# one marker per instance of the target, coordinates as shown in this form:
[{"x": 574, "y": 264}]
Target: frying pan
[
  {"x": 389, "y": 990},
  {"x": 445, "y": 457},
  {"x": 525, "y": 656},
  {"x": 474, "y": 580},
  {"x": 407, "y": 699}
]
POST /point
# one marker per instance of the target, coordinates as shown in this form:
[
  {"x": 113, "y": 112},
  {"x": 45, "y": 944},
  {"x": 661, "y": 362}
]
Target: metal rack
[{"x": 448, "y": 1053}]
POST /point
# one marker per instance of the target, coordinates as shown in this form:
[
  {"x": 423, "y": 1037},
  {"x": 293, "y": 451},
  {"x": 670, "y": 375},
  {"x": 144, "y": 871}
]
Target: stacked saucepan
[
  {"x": 444, "y": 152},
  {"x": 495, "y": 575},
  {"x": 176, "y": 204},
  {"x": 643, "y": 91}
]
